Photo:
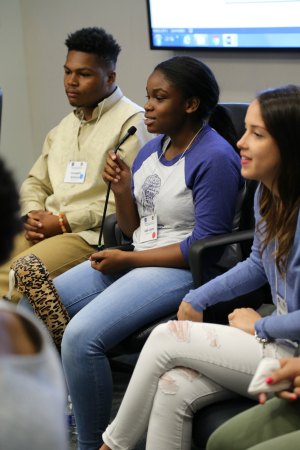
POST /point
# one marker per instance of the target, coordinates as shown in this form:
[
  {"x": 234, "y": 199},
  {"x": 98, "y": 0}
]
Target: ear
[
  {"x": 192, "y": 104},
  {"x": 111, "y": 77}
]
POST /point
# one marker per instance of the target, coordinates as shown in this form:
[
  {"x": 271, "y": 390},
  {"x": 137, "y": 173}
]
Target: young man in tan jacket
[{"x": 63, "y": 197}]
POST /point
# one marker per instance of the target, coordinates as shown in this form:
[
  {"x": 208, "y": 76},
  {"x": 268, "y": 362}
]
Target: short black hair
[
  {"x": 10, "y": 223},
  {"x": 97, "y": 41}
]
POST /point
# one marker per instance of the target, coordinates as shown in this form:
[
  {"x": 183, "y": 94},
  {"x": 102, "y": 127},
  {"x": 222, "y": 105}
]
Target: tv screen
[{"x": 224, "y": 24}]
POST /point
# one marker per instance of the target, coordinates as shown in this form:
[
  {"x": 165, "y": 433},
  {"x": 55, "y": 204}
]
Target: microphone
[{"x": 129, "y": 133}]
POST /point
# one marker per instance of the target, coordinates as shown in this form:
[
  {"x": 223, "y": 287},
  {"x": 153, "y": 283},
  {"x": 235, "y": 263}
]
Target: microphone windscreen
[{"x": 131, "y": 130}]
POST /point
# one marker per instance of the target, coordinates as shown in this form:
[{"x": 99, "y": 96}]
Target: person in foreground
[
  {"x": 274, "y": 426},
  {"x": 185, "y": 185},
  {"x": 32, "y": 386},
  {"x": 188, "y": 364},
  {"x": 63, "y": 197}
]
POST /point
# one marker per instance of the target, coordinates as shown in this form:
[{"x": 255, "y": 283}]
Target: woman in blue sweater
[{"x": 188, "y": 364}]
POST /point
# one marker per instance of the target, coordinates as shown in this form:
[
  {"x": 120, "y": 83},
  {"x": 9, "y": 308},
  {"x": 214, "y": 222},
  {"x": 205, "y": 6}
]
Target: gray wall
[{"x": 32, "y": 34}]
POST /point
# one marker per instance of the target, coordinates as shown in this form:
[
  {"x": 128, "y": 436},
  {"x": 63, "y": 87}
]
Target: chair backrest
[{"x": 237, "y": 113}]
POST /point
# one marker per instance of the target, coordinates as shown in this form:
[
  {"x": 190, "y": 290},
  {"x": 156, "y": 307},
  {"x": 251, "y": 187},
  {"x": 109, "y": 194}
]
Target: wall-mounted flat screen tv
[{"x": 224, "y": 24}]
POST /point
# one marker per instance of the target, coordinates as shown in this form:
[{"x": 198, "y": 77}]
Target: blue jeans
[{"x": 105, "y": 309}]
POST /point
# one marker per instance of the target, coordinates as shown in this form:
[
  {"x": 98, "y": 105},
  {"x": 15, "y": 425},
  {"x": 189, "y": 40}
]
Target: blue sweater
[
  {"x": 250, "y": 275},
  {"x": 194, "y": 195}
]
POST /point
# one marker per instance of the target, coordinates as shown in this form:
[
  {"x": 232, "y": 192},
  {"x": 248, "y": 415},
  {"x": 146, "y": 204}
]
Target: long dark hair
[
  {"x": 195, "y": 79},
  {"x": 280, "y": 110}
]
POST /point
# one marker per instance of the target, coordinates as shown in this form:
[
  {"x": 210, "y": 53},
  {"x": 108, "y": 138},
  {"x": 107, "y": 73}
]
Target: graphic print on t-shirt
[{"x": 150, "y": 189}]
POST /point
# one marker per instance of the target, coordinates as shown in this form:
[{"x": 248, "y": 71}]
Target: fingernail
[
  {"x": 269, "y": 380},
  {"x": 293, "y": 397}
]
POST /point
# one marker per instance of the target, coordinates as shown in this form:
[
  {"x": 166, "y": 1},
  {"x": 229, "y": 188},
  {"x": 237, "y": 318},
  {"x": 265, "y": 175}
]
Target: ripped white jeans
[{"x": 183, "y": 367}]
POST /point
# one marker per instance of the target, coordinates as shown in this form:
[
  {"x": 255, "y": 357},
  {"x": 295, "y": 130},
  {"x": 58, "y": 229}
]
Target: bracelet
[
  {"x": 61, "y": 222},
  {"x": 261, "y": 340}
]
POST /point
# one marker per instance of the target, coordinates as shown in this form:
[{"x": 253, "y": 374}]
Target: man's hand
[
  {"x": 110, "y": 261},
  {"x": 244, "y": 319},
  {"x": 187, "y": 312},
  {"x": 34, "y": 226},
  {"x": 41, "y": 225}
]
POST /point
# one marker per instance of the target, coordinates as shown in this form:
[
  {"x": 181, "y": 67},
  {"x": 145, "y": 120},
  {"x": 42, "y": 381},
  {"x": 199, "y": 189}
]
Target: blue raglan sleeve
[
  {"x": 215, "y": 184},
  {"x": 243, "y": 278}
]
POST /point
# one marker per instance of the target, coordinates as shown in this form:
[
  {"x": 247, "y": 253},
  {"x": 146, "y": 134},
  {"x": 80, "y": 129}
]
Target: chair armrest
[
  {"x": 199, "y": 249},
  {"x": 113, "y": 236},
  {"x": 109, "y": 231}
]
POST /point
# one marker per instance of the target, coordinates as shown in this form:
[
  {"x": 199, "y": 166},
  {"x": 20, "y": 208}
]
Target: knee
[
  {"x": 159, "y": 332},
  {"x": 215, "y": 443},
  {"x": 163, "y": 341},
  {"x": 68, "y": 341},
  {"x": 82, "y": 339},
  {"x": 220, "y": 440},
  {"x": 174, "y": 331},
  {"x": 158, "y": 340},
  {"x": 75, "y": 341}
]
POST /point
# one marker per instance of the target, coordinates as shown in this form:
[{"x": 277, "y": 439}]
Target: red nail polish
[
  {"x": 293, "y": 397},
  {"x": 269, "y": 380}
]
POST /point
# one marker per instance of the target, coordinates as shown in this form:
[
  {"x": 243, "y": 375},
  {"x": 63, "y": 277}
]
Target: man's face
[{"x": 86, "y": 79}]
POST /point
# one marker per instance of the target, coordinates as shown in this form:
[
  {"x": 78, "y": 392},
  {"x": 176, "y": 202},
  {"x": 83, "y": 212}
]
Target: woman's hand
[
  {"x": 110, "y": 261},
  {"x": 290, "y": 370},
  {"x": 187, "y": 312},
  {"x": 117, "y": 173},
  {"x": 244, "y": 319}
]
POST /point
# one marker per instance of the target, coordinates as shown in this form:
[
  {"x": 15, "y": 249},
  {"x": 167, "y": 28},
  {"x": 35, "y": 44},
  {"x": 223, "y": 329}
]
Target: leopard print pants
[{"x": 32, "y": 279}]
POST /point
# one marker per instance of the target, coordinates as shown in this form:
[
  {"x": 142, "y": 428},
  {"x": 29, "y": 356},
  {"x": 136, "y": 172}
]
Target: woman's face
[
  {"x": 260, "y": 156},
  {"x": 165, "y": 109}
]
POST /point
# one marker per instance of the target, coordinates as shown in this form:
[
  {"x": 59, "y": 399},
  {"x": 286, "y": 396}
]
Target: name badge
[
  {"x": 148, "y": 228},
  {"x": 281, "y": 305},
  {"x": 75, "y": 172}
]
